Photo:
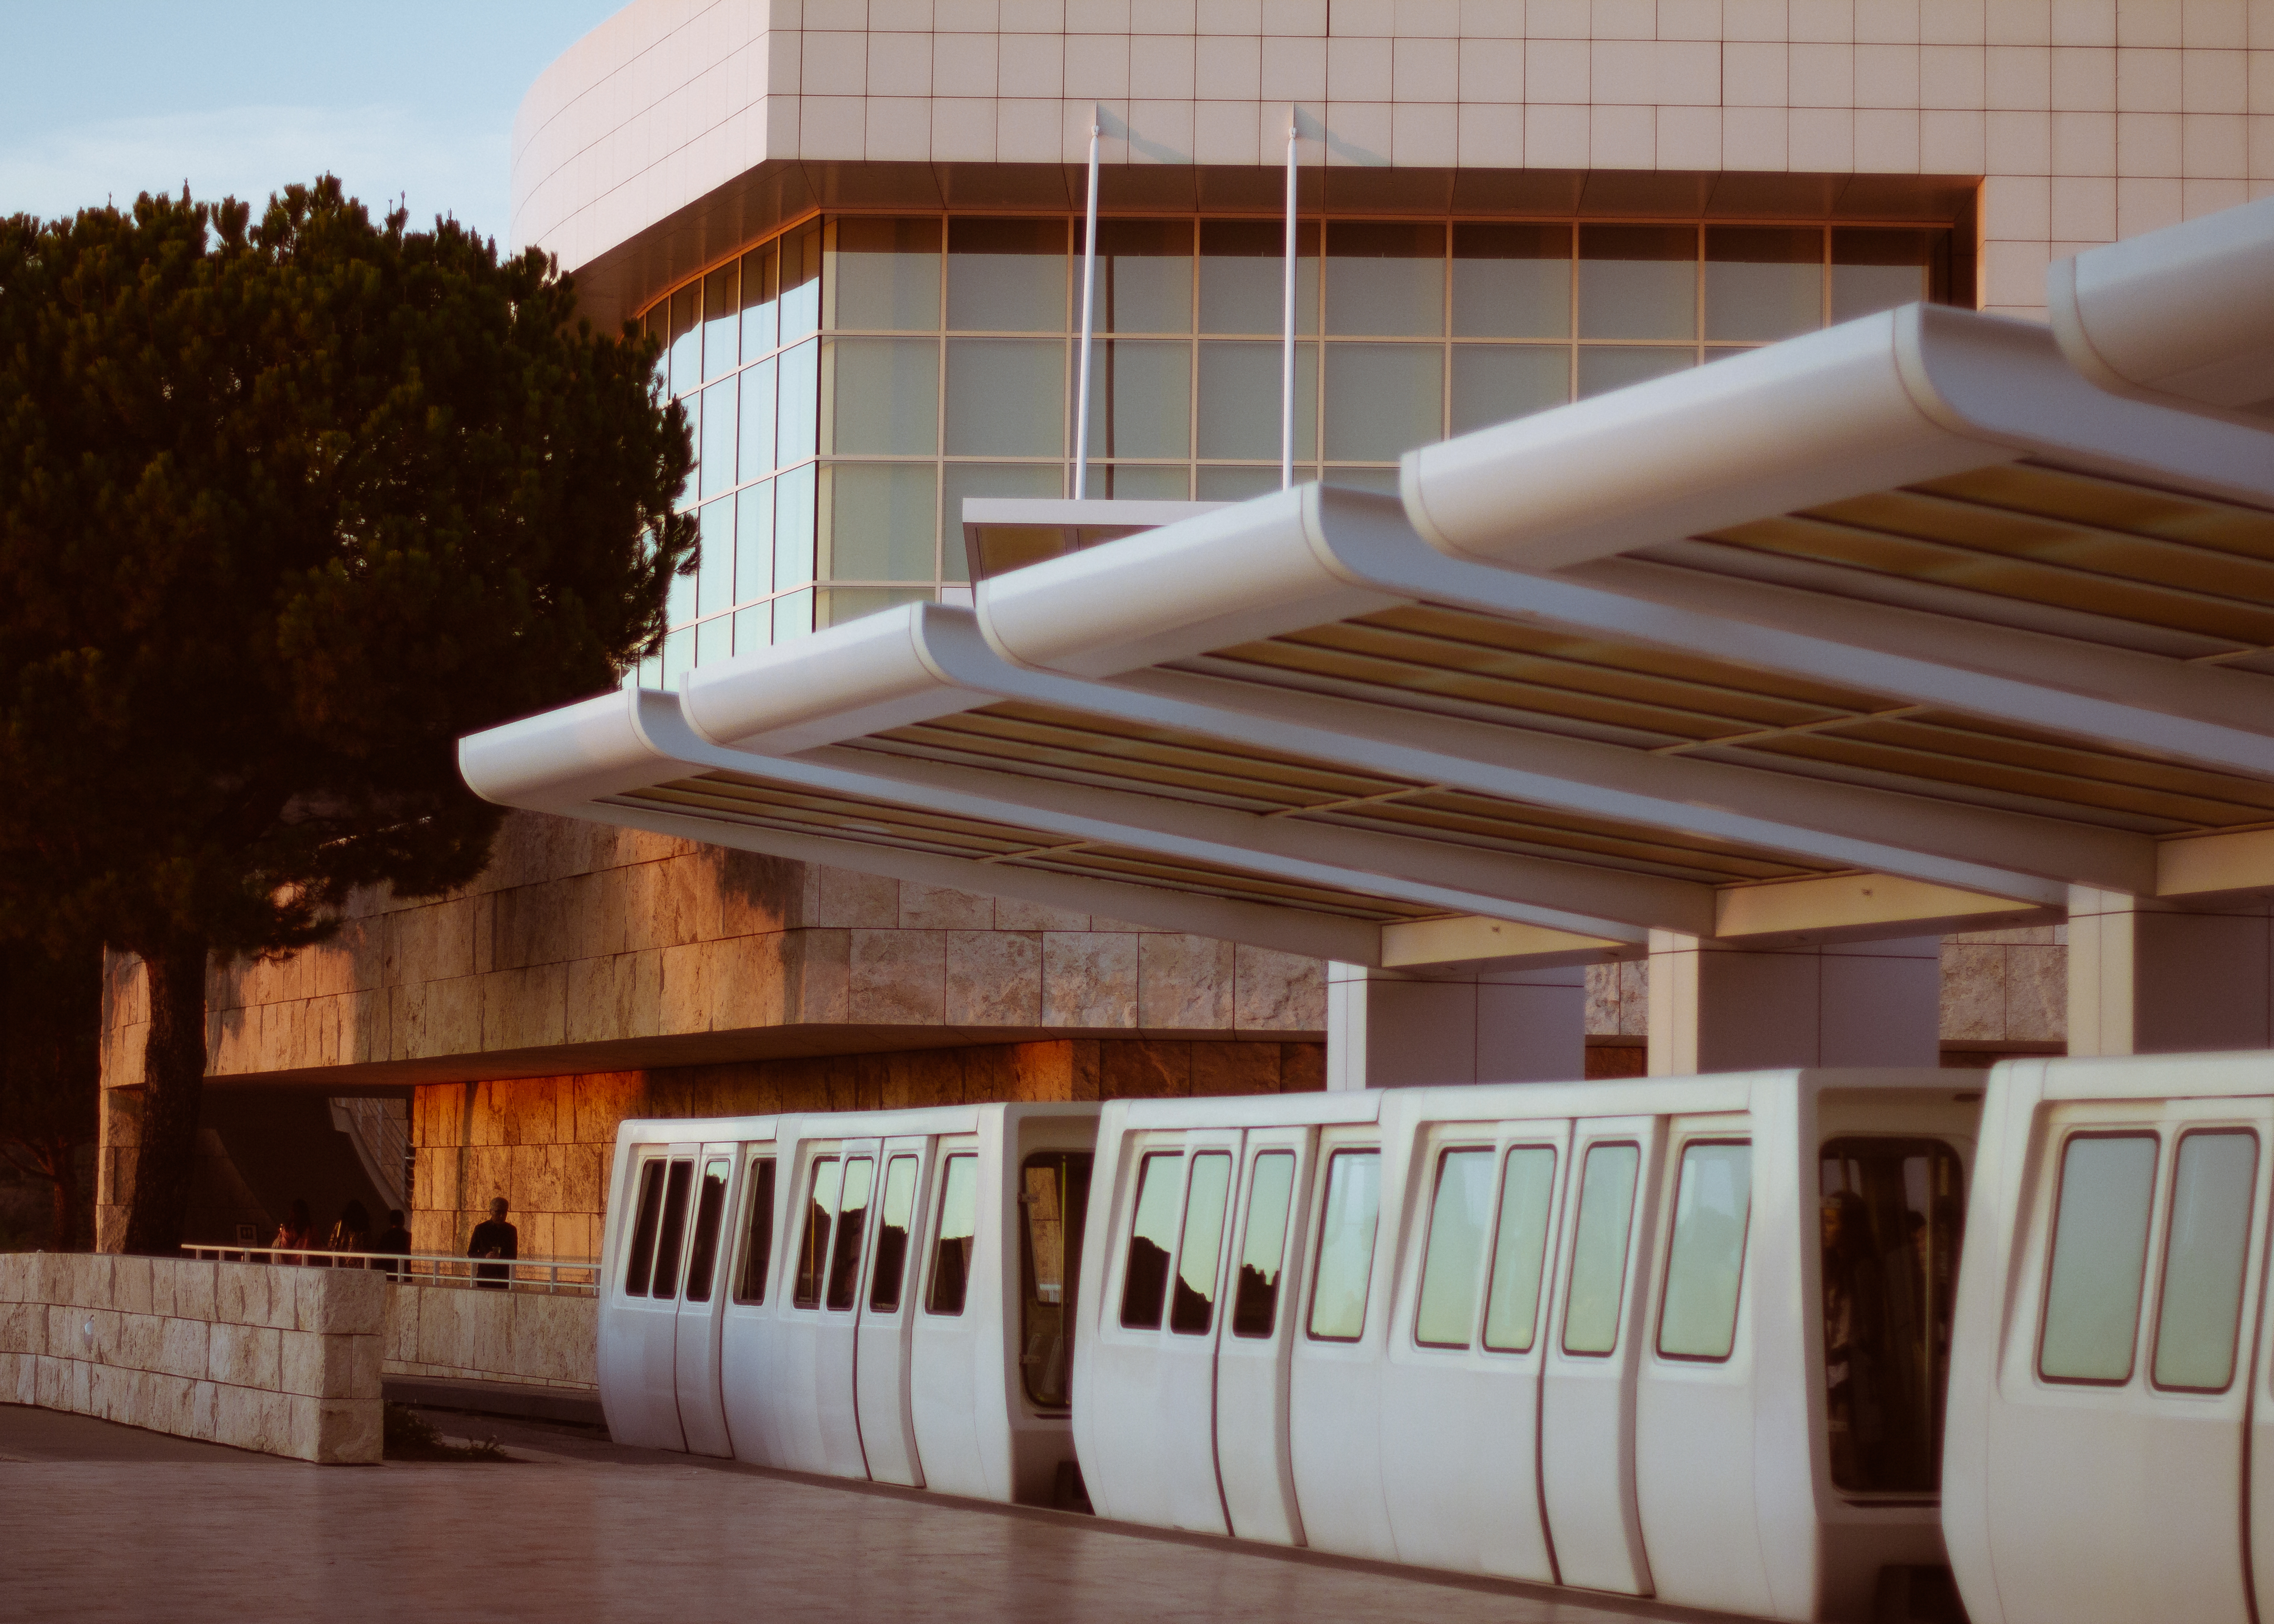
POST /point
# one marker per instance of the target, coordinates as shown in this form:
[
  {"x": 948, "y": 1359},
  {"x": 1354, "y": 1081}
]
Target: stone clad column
[
  {"x": 2149, "y": 978},
  {"x": 1715, "y": 1008},
  {"x": 1392, "y": 1029}
]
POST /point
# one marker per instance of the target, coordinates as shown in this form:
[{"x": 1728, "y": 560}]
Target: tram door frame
[
  {"x": 1255, "y": 1465},
  {"x": 697, "y": 1326},
  {"x": 642, "y": 1326},
  {"x": 1587, "y": 1399},
  {"x": 883, "y": 1341}
]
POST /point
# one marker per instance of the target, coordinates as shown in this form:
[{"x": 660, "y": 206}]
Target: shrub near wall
[{"x": 281, "y": 1360}]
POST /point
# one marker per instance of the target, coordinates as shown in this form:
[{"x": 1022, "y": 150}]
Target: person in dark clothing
[
  {"x": 351, "y": 1233},
  {"x": 392, "y": 1242},
  {"x": 497, "y": 1238}
]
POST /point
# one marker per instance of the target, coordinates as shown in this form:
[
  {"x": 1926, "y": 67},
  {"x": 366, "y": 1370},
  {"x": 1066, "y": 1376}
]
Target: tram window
[
  {"x": 1520, "y": 1248},
  {"x": 893, "y": 1225},
  {"x": 1705, "y": 1258},
  {"x": 2099, "y": 1256},
  {"x": 820, "y": 1215},
  {"x": 959, "y": 1222},
  {"x": 2206, "y": 1242},
  {"x": 1152, "y": 1234},
  {"x": 852, "y": 1229},
  {"x": 1054, "y": 1199},
  {"x": 1893, "y": 1214},
  {"x": 1191, "y": 1300},
  {"x": 640, "y": 1264},
  {"x": 1599, "y": 1249},
  {"x": 759, "y": 1236},
  {"x": 710, "y": 1211},
  {"x": 1460, "y": 1220},
  {"x": 1345, "y": 1266},
  {"x": 1263, "y": 1249},
  {"x": 672, "y": 1230}
]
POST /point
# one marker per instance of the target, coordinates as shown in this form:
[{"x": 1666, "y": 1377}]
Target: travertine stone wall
[
  {"x": 543, "y": 1143},
  {"x": 533, "y": 1338},
  {"x": 285, "y": 1361}
]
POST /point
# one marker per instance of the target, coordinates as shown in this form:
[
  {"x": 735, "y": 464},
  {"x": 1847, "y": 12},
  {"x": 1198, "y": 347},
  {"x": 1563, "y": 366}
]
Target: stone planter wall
[
  {"x": 529, "y": 1337},
  {"x": 285, "y": 1361}
]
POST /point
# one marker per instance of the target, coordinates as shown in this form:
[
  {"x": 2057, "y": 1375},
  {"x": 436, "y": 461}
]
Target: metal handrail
[{"x": 425, "y": 1268}]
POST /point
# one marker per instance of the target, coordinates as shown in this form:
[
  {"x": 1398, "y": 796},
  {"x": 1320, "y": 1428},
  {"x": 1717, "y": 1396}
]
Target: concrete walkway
[{"x": 106, "y": 1522}]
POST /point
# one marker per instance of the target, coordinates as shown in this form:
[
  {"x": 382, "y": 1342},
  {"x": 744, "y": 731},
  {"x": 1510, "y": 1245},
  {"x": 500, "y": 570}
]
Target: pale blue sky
[{"x": 109, "y": 98}]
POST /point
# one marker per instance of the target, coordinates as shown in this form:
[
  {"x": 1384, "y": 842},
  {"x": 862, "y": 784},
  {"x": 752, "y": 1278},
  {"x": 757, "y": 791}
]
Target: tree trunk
[{"x": 173, "y": 1084}]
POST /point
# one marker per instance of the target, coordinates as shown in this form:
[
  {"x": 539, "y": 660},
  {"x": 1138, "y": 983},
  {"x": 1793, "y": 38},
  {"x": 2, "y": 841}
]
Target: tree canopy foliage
[{"x": 287, "y": 506}]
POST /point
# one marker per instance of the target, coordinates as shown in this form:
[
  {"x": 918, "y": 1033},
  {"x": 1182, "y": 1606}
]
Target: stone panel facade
[{"x": 533, "y": 1338}]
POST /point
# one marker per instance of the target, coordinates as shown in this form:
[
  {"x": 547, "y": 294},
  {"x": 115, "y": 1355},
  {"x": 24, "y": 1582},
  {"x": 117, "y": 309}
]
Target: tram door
[
  {"x": 699, "y": 1323},
  {"x": 1596, "y": 1327},
  {"x": 820, "y": 1332},
  {"x": 1270, "y": 1212},
  {"x": 884, "y": 1315},
  {"x": 638, "y": 1343}
]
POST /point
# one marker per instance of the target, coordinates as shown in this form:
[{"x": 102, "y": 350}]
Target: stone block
[
  {"x": 141, "y": 1339},
  {"x": 205, "y": 1399},
  {"x": 341, "y": 1301},
  {"x": 2036, "y": 994},
  {"x": 1278, "y": 992},
  {"x": 51, "y": 1383},
  {"x": 1235, "y": 1068},
  {"x": 16, "y": 1276},
  {"x": 316, "y": 1366},
  {"x": 240, "y": 1418},
  {"x": 443, "y": 1336},
  {"x": 17, "y": 1386},
  {"x": 194, "y": 1288},
  {"x": 555, "y": 1339},
  {"x": 993, "y": 978},
  {"x": 488, "y": 1321},
  {"x": 241, "y": 1292},
  {"x": 364, "y": 1363},
  {"x": 246, "y": 1355},
  {"x": 23, "y": 1327},
  {"x": 1013, "y": 914},
  {"x": 1973, "y": 991},
  {"x": 935, "y": 907},
  {"x": 164, "y": 1273},
  {"x": 184, "y": 1348},
  {"x": 848, "y": 900},
  {"x": 898, "y": 977},
  {"x": 1135, "y": 1069},
  {"x": 1089, "y": 981},
  {"x": 345, "y": 1432},
  {"x": 1183, "y": 983}
]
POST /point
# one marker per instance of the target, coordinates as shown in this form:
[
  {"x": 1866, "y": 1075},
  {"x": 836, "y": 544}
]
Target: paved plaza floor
[{"x": 101, "y": 1523}]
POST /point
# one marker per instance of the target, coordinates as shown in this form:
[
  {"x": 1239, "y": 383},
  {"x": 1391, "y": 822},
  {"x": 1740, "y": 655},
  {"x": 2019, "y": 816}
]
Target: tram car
[
  {"x": 866, "y": 1293},
  {"x": 2111, "y": 1449}
]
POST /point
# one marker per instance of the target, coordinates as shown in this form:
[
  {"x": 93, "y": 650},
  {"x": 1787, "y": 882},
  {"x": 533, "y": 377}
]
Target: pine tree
[{"x": 285, "y": 508}]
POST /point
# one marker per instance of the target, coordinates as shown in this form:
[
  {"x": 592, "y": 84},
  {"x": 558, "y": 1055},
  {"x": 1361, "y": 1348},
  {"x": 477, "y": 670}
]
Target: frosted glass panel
[
  {"x": 1239, "y": 402},
  {"x": 1385, "y": 279},
  {"x": 1141, "y": 399},
  {"x": 881, "y": 523},
  {"x": 1244, "y": 272},
  {"x": 2100, "y": 1251},
  {"x": 1006, "y": 275},
  {"x": 1638, "y": 282},
  {"x": 883, "y": 396},
  {"x": 2204, "y": 1251},
  {"x": 1383, "y": 399},
  {"x": 1599, "y": 1250},
  {"x": 1763, "y": 283},
  {"x": 1192, "y": 1307},
  {"x": 1144, "y": 276},
  {"x": 1452, "y": 1268},
  {"x": 1006, "y": 397},
  {"x": 1345, "y": 1265},
  {"x": 1493, "y": 383},
  {"x": 885, "y": 274},
  {"x": 1706, "y": 1262},
  {"x": 1605, "y": 367},
  {"x": 1511, "y": 281},
  {"x": 1520, "y": 1248}
]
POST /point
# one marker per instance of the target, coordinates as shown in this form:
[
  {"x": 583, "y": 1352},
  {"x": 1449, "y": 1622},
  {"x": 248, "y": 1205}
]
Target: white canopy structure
[{"x": 1913, "y": 624}]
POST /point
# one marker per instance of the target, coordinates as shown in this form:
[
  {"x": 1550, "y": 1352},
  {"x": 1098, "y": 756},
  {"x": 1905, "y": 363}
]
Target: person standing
[
  {"x": 351, "y": 1233},
  {"x": 294, "y": 1235},
  {"x": 394, "y": 1241},
  {"x": 497, "y": 1238}
]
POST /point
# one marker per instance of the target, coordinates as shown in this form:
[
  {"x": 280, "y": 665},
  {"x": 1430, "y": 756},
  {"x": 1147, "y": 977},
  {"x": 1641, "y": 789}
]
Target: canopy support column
[
  {"x": 1851, "y": 1003},
  {"x": 2145, "y": 979},
  {"x": 1390, "y": 1030}
]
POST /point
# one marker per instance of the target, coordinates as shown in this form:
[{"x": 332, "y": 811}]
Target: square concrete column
[
  {"x": 1390, "y": 1030},
  {"x": 2146, "y": 977},
  {"x": 1714, "y": 1008}
]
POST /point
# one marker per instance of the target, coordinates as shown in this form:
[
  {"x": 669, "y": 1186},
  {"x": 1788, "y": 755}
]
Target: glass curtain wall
[{"x": 851, "y": 380}]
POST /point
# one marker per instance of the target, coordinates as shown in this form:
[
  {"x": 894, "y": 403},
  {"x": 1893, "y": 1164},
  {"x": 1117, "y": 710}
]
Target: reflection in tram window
[
  {"x": 710, "y": 1210},
  {"x": 852, "y": 1229},
  {"x": 1520, "y": 1248},
  {"x": 672, "y": 1230},
  {"x": 1054, "y": 1196},
  {"x": 1458, "y": 1222},
  {"x": 1152, "y": 1233},
  {"x": 1893, "y": 1214},
  {"x": 820, "y": 1214},
  {"x": 759, "y": 1236},
  {"x": 959, "y": 1221},
  {"x": 2206, "y": 1243},
  {"x": 1270, "y": 1187},
  {"x": 1706, "y": 1260},
  {"x": 641, "y": 1264},
  {"x": 1599, "y": 1249},
  {"x": 2099, "y": 1257},
  {"x": 1345, "y": 1266},
  {"x": 1192, "y": 1307},
  {"x": 892, "y": 1226}
]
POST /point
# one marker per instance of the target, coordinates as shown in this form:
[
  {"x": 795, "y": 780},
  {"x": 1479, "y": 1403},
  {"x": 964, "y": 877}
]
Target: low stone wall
[
  {"x": 531, "y": 1337},
  {"x": 281, "y": 1360}
]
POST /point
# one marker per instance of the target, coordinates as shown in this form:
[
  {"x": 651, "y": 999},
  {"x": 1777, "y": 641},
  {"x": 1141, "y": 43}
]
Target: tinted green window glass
[
  {"x": 755, "y": 409},
  {"x": 800, "y": 304},
  {"x": 798, "y": 416},
  {"x": 793, "y": 616},
  {"x": 1144, "y": 276},
  {"x": 1006, "y": 397},
  {"x": 1383, "y": 399},
  {"x": 1239, "y": 403},
  {"x": 1006, "y": 275},
  {"x": 2099, "y": 1258},
  {"x": 758, "y": 1237},
  {"x": 880, "y": 521},
  {"x": 1243, "y": 276},
  {"x": 2205, "y": 1247},
  {"x": 1493, "y": 383},
  {"x": 639, "y": 1261},
  {"x": 1385, "y": 278},
  {"x": 1192, "y": 1307},
  {"x": 685, "y": 338},
  {"x": 1599, "y": 1250},
  {"x": 852, "y": 1231},
  {"x": 710, "y": 1212},
  {"x": 1606, "y": 367},
  {"x": 1141, "y": 399},
  {"x": 680, "y": 599},
  {"x": 722, "y": 320},
  {"x": 1263, "y": 1247},
  {"x": 885, "y": 274},
  {"x": 715, "y": 571},
  {"x": 753, "y": 545},
  {"x": 827, "y": 1176},
  {"x": 753, "y": 628},
  {"x": 714, "y": 640},
  {"x": 1763, "y": 282},
  {"x": 1452, "y": 1267},
  {"x": 883, "y": 396},
  {"x": 1878, "y": 269},
  {"x": 1638, "y": 282},
  {"x": 678, "y": 655},
  {"x": 1705, "y": 1261},
  {"x": 953, "y": 1238},
  {"x": 719, "y": 435},
  {"x": 1152, "y": 1240},
  {"x": 1344, "y": 1270},
  {"x": 1520, "y": 1248},
  {"x": 1511, "y": 281},
  {"x": 761, "y": 292},
  {"x": 793, "y": 532}
]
